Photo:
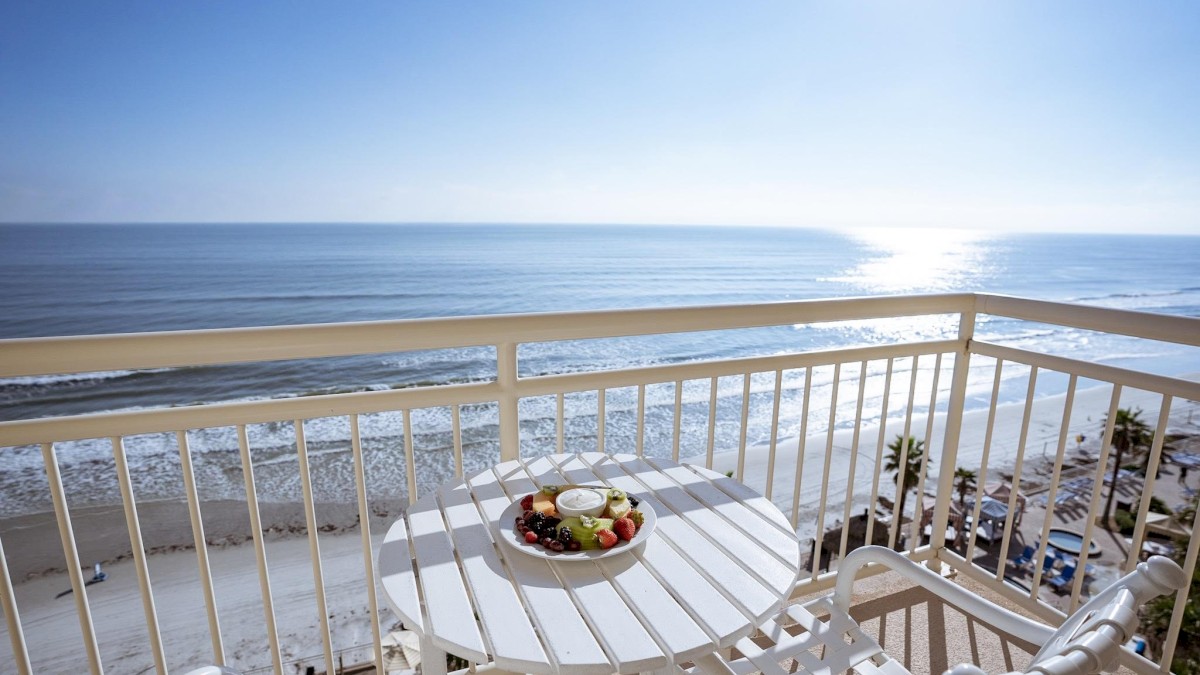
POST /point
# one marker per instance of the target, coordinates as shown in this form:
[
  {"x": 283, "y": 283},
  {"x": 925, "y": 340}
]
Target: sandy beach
[{"x": 53, "y": 633}]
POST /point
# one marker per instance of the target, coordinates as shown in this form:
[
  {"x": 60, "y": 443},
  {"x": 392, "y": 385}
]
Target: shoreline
[{"x": 33, "y": 547}]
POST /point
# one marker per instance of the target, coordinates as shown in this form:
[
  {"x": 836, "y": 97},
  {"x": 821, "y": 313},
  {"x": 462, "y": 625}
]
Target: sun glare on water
[{"x": 914, "y": 260}]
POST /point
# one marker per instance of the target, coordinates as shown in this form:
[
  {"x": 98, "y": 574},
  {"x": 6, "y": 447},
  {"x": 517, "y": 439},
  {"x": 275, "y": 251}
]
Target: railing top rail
[
  {"x": 1184, "y": 330},
  {"x": 21, "y": 357},
  {"x": 132, "y": 351}
]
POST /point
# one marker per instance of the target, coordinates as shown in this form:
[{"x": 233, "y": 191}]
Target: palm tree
[
  {"x": 906, "y": 458},
  {"x": 1129, "y": 433},
  {"x": 964, "y": 480}
]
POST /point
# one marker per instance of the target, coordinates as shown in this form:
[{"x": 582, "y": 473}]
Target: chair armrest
[{"x": 1008, "y": 621}]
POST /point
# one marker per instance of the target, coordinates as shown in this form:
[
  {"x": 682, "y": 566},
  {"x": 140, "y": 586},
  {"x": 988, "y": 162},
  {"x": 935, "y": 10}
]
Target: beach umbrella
[{"x": 401, "y": 650}]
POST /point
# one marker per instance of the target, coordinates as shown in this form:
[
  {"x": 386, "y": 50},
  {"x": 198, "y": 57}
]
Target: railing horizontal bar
[
  {"x": 133, "y": 422},
  {"x": 1167, "y": 328},
  {"x": 545, "y": 385},
  {"x": 88, "y": 353},
  {"x": 1095, "y": 371}
]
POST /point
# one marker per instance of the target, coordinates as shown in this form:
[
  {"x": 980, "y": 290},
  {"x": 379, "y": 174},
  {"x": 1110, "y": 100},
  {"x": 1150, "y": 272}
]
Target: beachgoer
[{"x": 1183, "y": 476}]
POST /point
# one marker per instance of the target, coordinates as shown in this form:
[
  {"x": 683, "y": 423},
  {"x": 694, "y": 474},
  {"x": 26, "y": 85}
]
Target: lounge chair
[
  {"x": 1025, "y": 558},
  {"x": 1048, "y": 562},
  {"x": 1062, "y": 580},
  {"x": 1089, "y": 641}
]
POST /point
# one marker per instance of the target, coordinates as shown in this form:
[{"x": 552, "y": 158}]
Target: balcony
[{"x": 254, "y": 541}]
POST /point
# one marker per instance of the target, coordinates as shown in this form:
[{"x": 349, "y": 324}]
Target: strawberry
[
  {"x": 625, "y": 528},
  {"x": 607, "y": 538},
  {"x": 527, "y": 502}
]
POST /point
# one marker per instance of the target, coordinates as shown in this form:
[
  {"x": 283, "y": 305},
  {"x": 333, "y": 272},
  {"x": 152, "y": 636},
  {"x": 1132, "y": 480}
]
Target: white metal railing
[{"x": 915, "y": 373}]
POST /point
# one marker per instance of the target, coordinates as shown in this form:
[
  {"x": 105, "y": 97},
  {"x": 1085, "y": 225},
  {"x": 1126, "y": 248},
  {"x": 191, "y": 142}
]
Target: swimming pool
[{"x": 1070, "y": 542}]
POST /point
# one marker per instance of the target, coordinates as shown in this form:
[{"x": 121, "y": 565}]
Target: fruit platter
[{"x": 576, "y": 522}]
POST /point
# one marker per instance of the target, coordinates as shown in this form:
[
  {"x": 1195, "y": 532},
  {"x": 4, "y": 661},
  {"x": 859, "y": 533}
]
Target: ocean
[{"x": 92, "y": 279}]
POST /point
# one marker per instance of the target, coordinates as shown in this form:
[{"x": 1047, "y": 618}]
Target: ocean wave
[{"x": 73, "y": 378}]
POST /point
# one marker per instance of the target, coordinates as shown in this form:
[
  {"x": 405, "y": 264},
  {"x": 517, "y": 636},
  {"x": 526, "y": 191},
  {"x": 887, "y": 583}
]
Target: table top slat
[
  {"x": 514, "y": 644},
  {"x": 783, "y": 543},
  {"x": 450, "y": 621},
  {"x": 397, "y": 577},
  {"x": 746, "y": 495},
  {"x": 722, "y": 570},
  {"x": 750, "y": 553},
  {"x": 659, "y": 611},
  {"x": 564, "y": 632},
  {"x": 631, "y": 646}
]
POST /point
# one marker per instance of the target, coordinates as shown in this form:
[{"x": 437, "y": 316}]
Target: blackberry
[
  {"x": 565, "y": 535},
  {"x": 536, "y": 520},
  {"x": 633, "y": 501}
]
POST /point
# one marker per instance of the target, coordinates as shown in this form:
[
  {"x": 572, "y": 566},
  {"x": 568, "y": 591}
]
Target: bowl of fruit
[{"x": 576, "y": 522}]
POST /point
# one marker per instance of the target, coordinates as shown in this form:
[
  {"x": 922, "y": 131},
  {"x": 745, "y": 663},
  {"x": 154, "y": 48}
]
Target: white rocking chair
[{"x": 1089, "y": 641}]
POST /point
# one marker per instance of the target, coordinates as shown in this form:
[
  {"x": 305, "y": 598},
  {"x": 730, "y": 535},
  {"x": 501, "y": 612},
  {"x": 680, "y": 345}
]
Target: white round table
[{"x": 720, "y": 561}]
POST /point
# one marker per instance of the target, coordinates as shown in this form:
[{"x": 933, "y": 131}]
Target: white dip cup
[{"x": 581, "y": 502}]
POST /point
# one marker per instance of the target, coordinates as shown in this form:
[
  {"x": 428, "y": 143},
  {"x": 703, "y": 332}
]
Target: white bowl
[{"x": 584, "y": 505}]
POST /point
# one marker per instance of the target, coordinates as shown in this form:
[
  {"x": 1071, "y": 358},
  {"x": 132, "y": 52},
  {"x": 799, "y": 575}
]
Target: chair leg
[{"x": 433, "y": 660}]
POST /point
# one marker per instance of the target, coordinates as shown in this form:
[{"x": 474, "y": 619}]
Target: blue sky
[{"x": 1015, "y": 115}]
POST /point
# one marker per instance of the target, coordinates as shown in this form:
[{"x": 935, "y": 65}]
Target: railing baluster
[
  {"x": 1095, "y": 500},
  {"x": 741, "y": 464},
  {"x": 774, "y": 435},
  {"x": 559, "y": 423},
  {"x": 1160, "y": 432},
  {"x": 601, "y": 418},
  {"x": 641, "y": 418},
  {"x": 1181, "y": 599},
  {"x": 1056, "y": 472},
  {"x": 260, "y": 550},
  {"x": 862, "y": 391},
  {"x": 510, "y": 417},
  {"x": 712, "y": 422},
  {"x": 63, "y": 515},
  {"x": 12, "y": 617},
  {"x": 879, "y": 446},
  {"x": 201, "y": 543},
  {"x": 923, "y": 471},
  {"x": 800, "y": 443},
  {"x": 456, "y": 439},
  {"x": 314, "y": 546},
  {"x": 953, "y": 430},
  {"x": 139, "y": 554},
  {"x": 364, "y": 523},
  {"x": 902, "y": 460},
  {"x": 675, "y": 440},
  {"x": 820, "y": 533},
  {"x": 1026, "y": 419},
  {"x": 981, "y": 482},
  {"x": 410, "y": 457}
]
